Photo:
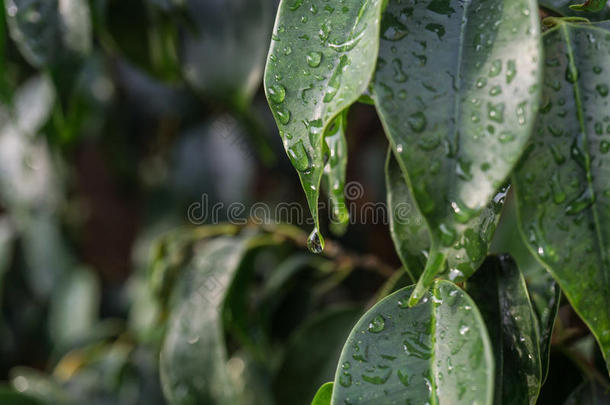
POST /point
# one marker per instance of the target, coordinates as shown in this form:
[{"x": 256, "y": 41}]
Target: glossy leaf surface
[
  {"x": 194, "y": 357},
  {"x": 411, "y": 234},
  {"x": 457, "y": 105},
  {"x": 563, "y": 185},
  {"x": 322, "y": 57},
  {"x": 436, "y": 352},
  {"x": 499, "y": 290},
  {"x": 323, "y": 395}
]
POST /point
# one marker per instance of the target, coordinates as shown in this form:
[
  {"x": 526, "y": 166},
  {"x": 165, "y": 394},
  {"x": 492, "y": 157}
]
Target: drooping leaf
[
  {"x": 562, "y": 185},
  {"x": 562, "y": 7},
  {"x": 47, "y": 30},
  {"x": 223, "y": 53},
  {"x": 411, "y": 235},
  {"x": 321, "y": 59},
  {"x": 589, "y": 393},
  {"x": 323, "y": 395},
  {"x": 544, "y": 291},
  {"x": 321, "y": 340},
  {"x": 436, "y": 352},
  {"x": 194, "y": 360},
  {"x": 499, "y": 290},
  {"x": 333, "y": 179},
  {"x": 456, "y": 87}
]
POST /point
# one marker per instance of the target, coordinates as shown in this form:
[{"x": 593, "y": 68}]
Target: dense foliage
[{"x": 124, "y": 125}]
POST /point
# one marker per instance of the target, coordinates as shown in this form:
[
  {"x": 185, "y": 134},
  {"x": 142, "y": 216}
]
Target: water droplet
[
  {"x": 571, "y": 74},
  {"x": 506, "y": 137},
  {"x": 283, "y": 116},
  {"x": 315, "y": 242},
  {"x": 602, "y": 89},
  {"x": 399, "y": 75},
  {"x": 495, "y": 112},
  {"x": 511, "y": 71},
  {"x": 334, "y": 82},
  {"x": 314, "y": 59},
  {"x": 417, "y": 121},
  {"x": 464, "y": 330},
  {"x": 447, "y": 235},
  {"x": 438, "y": 29},
  {"x": 277, "y": 93},
  {"x": 496, "y": 68},
  {"x": 604, "y": 147},
  {"x": 377, "y": 324}
]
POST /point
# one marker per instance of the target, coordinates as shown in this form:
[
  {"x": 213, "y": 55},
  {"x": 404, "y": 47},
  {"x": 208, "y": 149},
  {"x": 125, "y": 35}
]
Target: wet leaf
[
  {"x": 543, "y": 290},
  {"x": 457, "y": 105},
  {"x": 323, "y": 395},
  {"x": 321, "y": 59},
  {"x": 563, "y": 185},
  {"x": 500, "y": 291},
  {"x": 589, "y": 393},
  {"x": 411, "y": 235},
  {"x": 47, "y": 30},
  {"x": 436, "y": 352}
]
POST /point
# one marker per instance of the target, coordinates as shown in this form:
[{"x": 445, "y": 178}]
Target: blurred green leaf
[
  {"x": 74, "y": 306},
  {"x": 194, "y": 357},
  {"x": 323, "y": 395},
  {"x": 312, "y": 354},
  {"x": 223, "y": 32},
  {"x": 419, "y": 354},
  {"x": 458, "y": 106},
  {"x": 500, "y": 292},
  {"x": 48, "y": 30},
  {"x": 38, "y": 385},
  {"x": 318, "y": 65},
  {"x": 11, "y": 397},
  {"x": 589, "y": 393}
]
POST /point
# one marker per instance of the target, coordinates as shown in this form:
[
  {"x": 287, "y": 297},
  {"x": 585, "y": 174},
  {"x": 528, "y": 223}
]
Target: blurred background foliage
[{"x": 115, "y": 118}]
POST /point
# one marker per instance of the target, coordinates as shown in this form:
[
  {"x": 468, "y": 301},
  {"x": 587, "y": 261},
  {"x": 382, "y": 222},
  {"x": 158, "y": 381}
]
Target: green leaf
[
  {"x": 223, "y": 53},
  {"x": 563, "y": 8},
  {"x": 411, "y": 235},
  {"x": 562, "y": 185},
  {"x": 35, "y": 384},
  {"x": 499, "y": 290},
  {"x": 590, "y": 5},
  {"x": 47, "y": 30},
  {"x": 589, "y": 393},
  {"x": 194, "y": 357},
  {"x": 436, "y": 352},
  {"x": 333, "y": 179},
  {"x": 543, "y": 290},
  {"x": 321, "y": 338},
  {"x": 323, "y": 395},
  {"x": 322, "y": 57},
  {"x": 457, "y": 87}
]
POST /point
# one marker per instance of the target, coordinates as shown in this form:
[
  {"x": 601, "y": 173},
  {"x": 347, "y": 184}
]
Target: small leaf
[
  {"x": 333, "y": 179},
  {"x": 323, "y": 395},
  {"x": 411, "y": 235},
  {"x": 562, "y": 185},
  {"x": 457, "y": 104},
  {"x": 589, "y": 393},
  {"x": 499, "y": 289},
  {"x": 321, "y": 59},
  {"x": 436, "y": 352},
  {"x": 564, "y": 8}
]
